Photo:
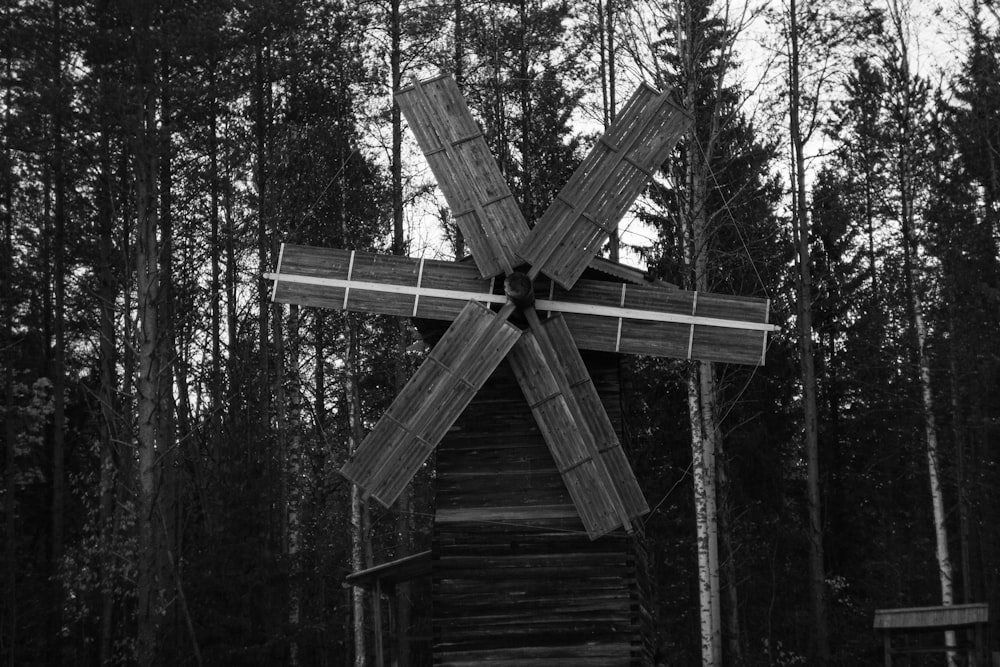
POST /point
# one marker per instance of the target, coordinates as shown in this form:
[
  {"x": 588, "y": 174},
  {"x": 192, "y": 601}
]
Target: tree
[
  {"x": 714, "y": 176},
  {"x": 816, "y": 40},
  {"x": 800, "y": 226},
  {"x": 963, "y": 218},
  {"x": 517, "y": 81},
  {"x": 10, "y": 603},
  {"x": 907, "y": 103},
  {"x": 145, "y": 147}
]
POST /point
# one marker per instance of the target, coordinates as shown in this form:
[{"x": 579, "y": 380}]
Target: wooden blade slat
[
  {"x": 683, "y": 340},
  {"x": 329, "y": 269},
  {"x": 468, "y": 175},
  {"x": 569, "y": 440},
  {"x": 576, "y": 428},
  {"x": 604, "y": 187},
  {"x": 460, "y": 282},
  {"x": 605, "y": 437},
  {"x": 471, "y": 348}
]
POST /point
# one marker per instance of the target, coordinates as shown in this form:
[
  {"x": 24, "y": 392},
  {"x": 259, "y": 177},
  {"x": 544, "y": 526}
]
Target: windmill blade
[
  {"x": 470, "y": 350},
  {"x": 603, "y": 188},
  {"x": 367, "y": 282},
  {"x": 466, "y": 172},
  {"x": 611, "y": 317},
  {"x": 576, "y": 427}
]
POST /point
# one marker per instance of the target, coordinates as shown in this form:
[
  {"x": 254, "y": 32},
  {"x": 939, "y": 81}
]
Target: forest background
[{"x": 171, "y": 438}]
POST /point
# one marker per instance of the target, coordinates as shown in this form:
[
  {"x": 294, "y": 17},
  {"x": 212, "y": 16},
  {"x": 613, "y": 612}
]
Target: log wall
[{"x": 516, "y": 580}]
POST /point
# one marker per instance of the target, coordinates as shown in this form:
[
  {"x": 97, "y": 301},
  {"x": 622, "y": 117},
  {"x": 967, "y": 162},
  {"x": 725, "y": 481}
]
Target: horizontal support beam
[{"x": 540, "y": 304}]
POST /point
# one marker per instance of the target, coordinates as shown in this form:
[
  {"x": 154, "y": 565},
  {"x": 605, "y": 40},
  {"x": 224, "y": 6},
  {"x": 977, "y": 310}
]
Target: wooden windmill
[{"x": 537, "y": 274}]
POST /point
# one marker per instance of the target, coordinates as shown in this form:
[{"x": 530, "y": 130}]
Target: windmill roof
[{"x": 621, "y": 271}]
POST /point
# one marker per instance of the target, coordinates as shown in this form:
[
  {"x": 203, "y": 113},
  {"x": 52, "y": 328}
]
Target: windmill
[{"x": 536, "y": 276}]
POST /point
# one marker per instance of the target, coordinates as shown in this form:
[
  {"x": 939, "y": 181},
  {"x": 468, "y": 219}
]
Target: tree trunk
[
  {"x": 930, "y": 422},
  {"x": 216, "y": 390},
  {"x": 701, "y": 416},
  {"x": 396, "y": 168},
  {"x": 524, "y": 99},
  {"x": 732, "y": 634},
  {"x": 933, "y": 465},
  {"x": 709, "y": 429},
  {"x": 961, "y": 472},
  {"x": 319, "y": 346},
  {"x": 614, "y": 240},
  {"x": 359, "y": 524},
  {"x": 905, "y": 168},
  {"x": 296, "y": 490},
  {"x": 234, "y": 394},
  {"x": 280, "y": 408},
  {"x": 166, "y": 363},
  {"x": 58, "y": 369},
  {"x": 702, "y": 465},
  {"x": 263, "y": 305},
  {"x": 147, "y": 304},
  {"x": 603, "y": 63},
  {"x": 107, "y": 362},
  {"x": 702, "y": 388},
  {"x": 460, "y": 80},
  {"x": 8, "y": 355},
  {"x": 820, "y": 644},
  {"x": 404, "y": 517}
]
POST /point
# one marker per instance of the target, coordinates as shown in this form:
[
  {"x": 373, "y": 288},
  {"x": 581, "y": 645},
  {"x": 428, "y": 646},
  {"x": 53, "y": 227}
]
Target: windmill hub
[{"x": 519, "y": 290}]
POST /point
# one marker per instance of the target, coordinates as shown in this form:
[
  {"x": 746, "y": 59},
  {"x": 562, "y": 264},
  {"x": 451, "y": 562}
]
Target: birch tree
[
  {"x": 359, "y": 506},
  {"x": 692, "y": 50},
  {"x": 696, "y": 57},
  {"x": 907, "y": 106}
]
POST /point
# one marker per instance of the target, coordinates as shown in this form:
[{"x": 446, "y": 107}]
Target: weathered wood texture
[
  {"x": 516, "y": 579},
  {"x": 578, "y": 432},
  {"x": 437, "y": 290},
  {"x": 600, "y": 192},
  {"x": 392, "y": 573},
  {"x": 319, "y": 276},
  {"x": 466, "y": 172},
  {"x": 928, "y": 618},
  {"x": 430, "y": 402}
]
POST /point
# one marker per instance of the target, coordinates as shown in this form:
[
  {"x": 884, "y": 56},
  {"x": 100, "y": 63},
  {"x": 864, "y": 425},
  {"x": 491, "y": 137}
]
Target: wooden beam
[
  {"x": 649, "y": 319},
  {"x": 552, "y": 305},
  {"x": 948, "y": 616},
  {"x": 392, "y": 573}
]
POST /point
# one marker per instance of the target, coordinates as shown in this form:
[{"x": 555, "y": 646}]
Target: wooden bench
[{"x": 968, "y": 619}]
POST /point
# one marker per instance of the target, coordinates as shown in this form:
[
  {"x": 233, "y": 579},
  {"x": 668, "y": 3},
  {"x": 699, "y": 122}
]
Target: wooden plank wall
[{"x": 516, "y": 580}]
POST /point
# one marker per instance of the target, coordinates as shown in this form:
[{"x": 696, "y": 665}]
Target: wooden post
[
  {"x": 377, "y": 608},
  {"x": 981, "y": 649},
  {"x": 396, "y": 656}
]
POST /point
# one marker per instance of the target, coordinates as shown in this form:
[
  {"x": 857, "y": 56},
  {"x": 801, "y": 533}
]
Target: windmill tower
[{"x": 531, "y": 561}]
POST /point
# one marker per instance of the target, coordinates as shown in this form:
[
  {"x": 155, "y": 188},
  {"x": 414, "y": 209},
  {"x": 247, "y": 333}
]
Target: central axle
[{"x": 519, "y": 290}]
